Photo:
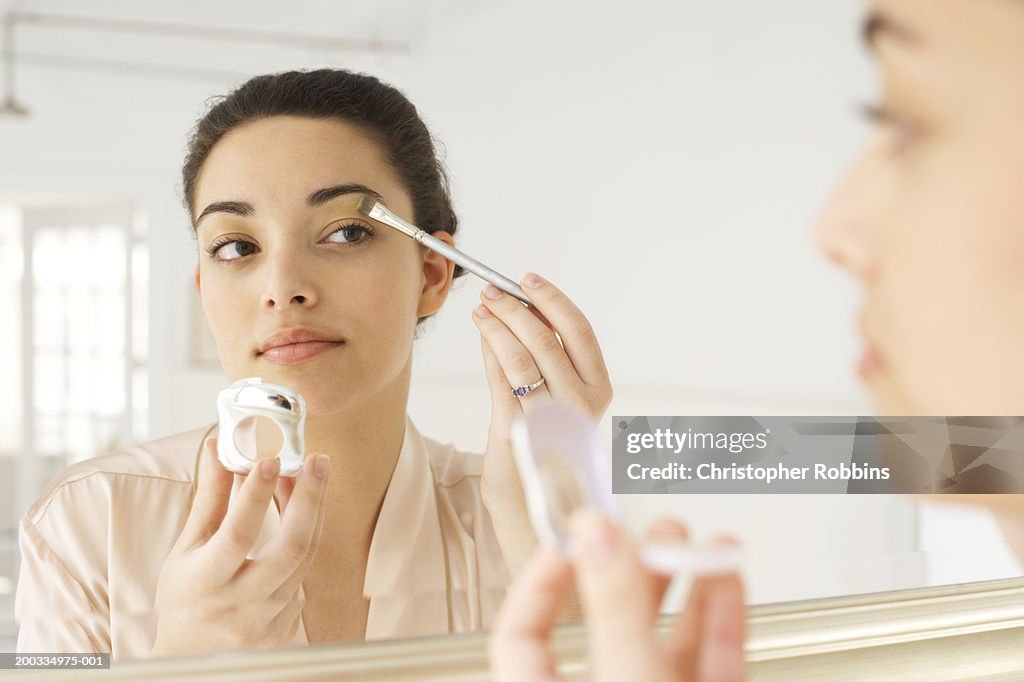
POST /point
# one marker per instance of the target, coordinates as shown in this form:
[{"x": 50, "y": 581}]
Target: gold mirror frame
[{"x": 972, "y": 631}]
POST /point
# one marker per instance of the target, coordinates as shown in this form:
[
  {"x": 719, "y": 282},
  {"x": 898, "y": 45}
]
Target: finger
[
  {"x": 723, "y": 632},
  {"x": 618, "y": 599},
  {"x": 516, "y": 362},
  {"x": 538, "y": 338},
  {"x": 241, "y": 526},
  {"x": 294, "y": 541},
  {"x": 499, "y": 463},
  {"x": 572, "y": 325},
  {"x": 293, "y": 583},
  {"x": 686, "y": 641},
  {"x": 505, "y": 407},
  {"x": 285, "y": 487},
  {"x": 518, "y": 646},
  {"x": 288, "y": 618},
  {"x": 664, "y": 529},
  {"x": 213, "y": 490}
]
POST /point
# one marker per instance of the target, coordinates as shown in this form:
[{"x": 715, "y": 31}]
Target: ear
[
  {"x": 197, "y": 280},
  {"x": 437, "y": 278}
]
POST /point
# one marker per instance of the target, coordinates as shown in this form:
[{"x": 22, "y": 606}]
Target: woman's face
[
  {"x": 299, "y": 288},
  {"x": 930, "y": 219}
]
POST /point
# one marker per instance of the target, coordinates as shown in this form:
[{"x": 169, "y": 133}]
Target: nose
[
  {"x": 844, "y": 229},
  {"x": 289, "y": 282}
]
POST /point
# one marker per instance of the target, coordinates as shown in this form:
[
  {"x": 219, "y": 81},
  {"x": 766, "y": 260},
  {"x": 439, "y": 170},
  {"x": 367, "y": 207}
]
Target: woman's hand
[
  {"x": 210, "y": 596},
  {"x": 554, "y": 340},
  {"x": 621, "y": 599}
]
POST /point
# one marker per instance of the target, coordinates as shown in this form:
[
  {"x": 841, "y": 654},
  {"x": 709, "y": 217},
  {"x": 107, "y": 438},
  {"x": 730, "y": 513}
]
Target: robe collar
[{"x": 407, "y": 557}]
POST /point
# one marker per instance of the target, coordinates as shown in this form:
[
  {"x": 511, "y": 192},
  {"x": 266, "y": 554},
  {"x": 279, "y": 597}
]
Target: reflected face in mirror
[
  {"x": 282, "y": 248},
  {"x": 930, "y": 219}
]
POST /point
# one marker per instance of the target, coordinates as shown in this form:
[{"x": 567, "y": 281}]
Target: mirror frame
[{"x": 954, "y": 632}]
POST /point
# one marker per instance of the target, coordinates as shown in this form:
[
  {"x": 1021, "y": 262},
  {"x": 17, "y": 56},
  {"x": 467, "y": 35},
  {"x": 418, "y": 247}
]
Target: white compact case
[
  {"x": 253, "y": 398},
  {"x": 562, "y": 466}
]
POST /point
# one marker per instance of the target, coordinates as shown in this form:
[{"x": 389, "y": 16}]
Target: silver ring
[{"x": 525, "y": 390}]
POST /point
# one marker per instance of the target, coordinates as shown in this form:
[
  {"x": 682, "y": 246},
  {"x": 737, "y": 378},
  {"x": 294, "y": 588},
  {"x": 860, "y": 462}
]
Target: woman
[
  {"x": 157, "y": 550},
  {"x": 931, "y": 222},
  {"x": 930, "y": 218}
]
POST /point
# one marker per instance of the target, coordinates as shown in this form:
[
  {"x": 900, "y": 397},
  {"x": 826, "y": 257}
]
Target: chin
[
  {"x": 889, "y": 401},
  {"x": 309, "y": 381}
]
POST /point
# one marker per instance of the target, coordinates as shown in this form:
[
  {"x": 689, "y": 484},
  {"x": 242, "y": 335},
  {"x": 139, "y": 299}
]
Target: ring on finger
[{"x": 526, "y": 389}]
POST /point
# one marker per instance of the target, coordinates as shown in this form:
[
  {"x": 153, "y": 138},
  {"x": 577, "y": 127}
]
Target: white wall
[{"x": 662, "y": 162}]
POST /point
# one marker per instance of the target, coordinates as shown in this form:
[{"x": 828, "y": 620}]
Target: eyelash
[
  {"x": 905, "y": 130},
  {"x": 218, "y": 244}
]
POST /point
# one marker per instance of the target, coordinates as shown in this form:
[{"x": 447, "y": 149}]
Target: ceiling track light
[{"x": 10, "y": 107}]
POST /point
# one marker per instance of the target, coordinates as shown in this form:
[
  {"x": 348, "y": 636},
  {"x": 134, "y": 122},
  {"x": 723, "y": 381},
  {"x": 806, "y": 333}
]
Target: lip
[
  {"x": 870, "y": 362},
  {"x": 295, "y": 344}
]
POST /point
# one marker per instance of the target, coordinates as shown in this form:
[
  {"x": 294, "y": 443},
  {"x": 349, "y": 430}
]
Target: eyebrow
[
  {"x": 878, "y": 25},
  {"x": 241, "y": 208},
  {"x": 322, "y": 196},
  {"x": 317, "y": 198}
]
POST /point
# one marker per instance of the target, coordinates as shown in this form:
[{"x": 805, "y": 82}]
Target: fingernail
[
  {"x": 269, "y": 468},
  {"x": 321, "y": 465},
  {"x": 532, "y": 281},
  {"x": 725, "y": 541},
  {"x": 492, "y": 292},
  {"x": 593, "y": 534},
  {"x": 482, "y": 311},
  {"x": 666, "y": 528}
]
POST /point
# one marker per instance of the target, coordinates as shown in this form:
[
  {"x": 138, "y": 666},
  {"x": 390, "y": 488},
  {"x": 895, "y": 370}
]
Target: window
[{"x": 73, "y": 351}]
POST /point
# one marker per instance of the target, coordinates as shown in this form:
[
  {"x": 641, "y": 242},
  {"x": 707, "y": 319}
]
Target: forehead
[{"x": 278, "y": 161}]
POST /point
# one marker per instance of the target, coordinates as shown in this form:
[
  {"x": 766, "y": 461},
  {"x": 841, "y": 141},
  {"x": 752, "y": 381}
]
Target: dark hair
[{"x": 355, "y": 98}]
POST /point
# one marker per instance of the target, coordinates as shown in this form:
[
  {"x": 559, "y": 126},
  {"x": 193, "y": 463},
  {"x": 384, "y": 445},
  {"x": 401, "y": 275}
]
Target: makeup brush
[{"x": 373, "y": 208}]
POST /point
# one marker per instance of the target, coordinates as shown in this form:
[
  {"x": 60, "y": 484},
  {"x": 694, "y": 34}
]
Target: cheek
[
  {"x": 378, "y": 303},
  {"x": 385, "y": 288},
  {"x": 953, "y": 289},
  {"x": 229, "y": 322}
]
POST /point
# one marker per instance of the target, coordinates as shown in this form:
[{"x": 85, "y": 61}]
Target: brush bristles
[
  {"x": 376, "y": 210},
  {"x": 366, "y": 204}
]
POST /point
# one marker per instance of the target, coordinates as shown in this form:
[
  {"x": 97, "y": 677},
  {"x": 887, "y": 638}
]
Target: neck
[
  {"x": 1012, "y": 522},
  {"x": 363, "y": 443}
]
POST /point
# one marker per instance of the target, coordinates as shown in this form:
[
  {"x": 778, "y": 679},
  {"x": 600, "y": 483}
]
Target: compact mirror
[
  {"x": 563, "y": 468},
  {"x": 258, "y": 438},
  {"x": 240, "y": 406}
]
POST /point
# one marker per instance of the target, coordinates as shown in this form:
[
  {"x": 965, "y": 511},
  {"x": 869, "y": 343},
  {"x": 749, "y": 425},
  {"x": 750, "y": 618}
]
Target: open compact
[
  {"x": 239, "y": 405},
  {"x": 563, "y": 468}
]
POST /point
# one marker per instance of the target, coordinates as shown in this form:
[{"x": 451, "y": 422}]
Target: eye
[
  {"x": 900, "y": 131},
  {"x": 351, "y": 233},
  {"x": 231, "y": 249}
]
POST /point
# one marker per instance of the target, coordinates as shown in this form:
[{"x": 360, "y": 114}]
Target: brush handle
[{"x": 472, "y": 265}]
